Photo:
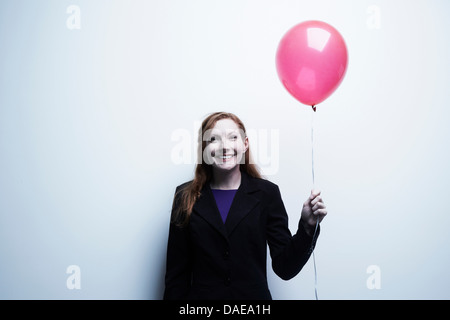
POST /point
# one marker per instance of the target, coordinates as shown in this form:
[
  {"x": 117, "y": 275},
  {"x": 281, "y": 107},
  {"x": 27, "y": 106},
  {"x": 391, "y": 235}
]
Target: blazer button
[
  {"x": 226, "y": 254},
  {"x": 227, "y": 281}
]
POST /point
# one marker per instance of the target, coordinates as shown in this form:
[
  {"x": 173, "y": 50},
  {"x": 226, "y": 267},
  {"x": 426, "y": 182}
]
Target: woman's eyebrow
[
  {"x": 232, "y": 131},
  {"x": 227, "y": 132},
  {"x": 214, "y": 133}
]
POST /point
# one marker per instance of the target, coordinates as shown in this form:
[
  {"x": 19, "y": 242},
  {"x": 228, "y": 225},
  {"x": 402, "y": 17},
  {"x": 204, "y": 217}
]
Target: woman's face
[{"x": 226, "y": 145}]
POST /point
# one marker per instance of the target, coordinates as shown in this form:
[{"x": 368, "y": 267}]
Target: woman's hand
[{"x": 313, "y": 209}]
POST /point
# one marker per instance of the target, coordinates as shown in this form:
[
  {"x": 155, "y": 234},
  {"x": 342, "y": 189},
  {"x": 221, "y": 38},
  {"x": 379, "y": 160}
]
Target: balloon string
[
  {"x": 314, "y": 261},
  {"x": 317, "y": 221},
  {"x": 312, "y": 148}
]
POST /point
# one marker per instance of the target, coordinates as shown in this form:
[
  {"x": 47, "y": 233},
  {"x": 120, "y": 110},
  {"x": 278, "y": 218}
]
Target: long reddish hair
[{"x": 188, "y": 195}]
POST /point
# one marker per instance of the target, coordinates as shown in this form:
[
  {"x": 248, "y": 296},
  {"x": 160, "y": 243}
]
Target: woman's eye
[
  {"x": 212, "y": 139},
  {"x": 233, "y": 137}
]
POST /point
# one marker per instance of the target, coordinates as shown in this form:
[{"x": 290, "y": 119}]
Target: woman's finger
[
  {"x": 316, "y": 199},
  {"x": 318, "y": 205},
  {"x": 314, "y": 193},
  {"x": 320, "y": 212}
]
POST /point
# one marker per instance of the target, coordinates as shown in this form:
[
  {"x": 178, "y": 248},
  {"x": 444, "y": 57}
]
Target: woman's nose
[{"x": 226, "y": 145}]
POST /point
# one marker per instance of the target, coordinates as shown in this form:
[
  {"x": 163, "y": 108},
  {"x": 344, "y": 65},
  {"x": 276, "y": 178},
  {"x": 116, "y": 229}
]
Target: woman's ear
[{"x": 245, "y": 144}]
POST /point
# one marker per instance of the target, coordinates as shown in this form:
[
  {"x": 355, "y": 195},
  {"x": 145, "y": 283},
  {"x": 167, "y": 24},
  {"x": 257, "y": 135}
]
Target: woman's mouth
[{"x": 226, "y": 157}]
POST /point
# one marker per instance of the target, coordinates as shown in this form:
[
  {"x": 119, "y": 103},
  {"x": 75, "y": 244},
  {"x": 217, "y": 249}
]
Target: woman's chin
[{"x": 226, "y": 166}]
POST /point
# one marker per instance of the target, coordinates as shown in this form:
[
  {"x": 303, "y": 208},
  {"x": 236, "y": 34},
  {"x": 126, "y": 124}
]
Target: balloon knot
[{"x": 314, "y": 108}]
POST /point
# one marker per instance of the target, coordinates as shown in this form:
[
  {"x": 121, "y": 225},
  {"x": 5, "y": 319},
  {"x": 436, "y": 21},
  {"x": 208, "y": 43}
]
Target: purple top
[{"x": 224, "y": 198}]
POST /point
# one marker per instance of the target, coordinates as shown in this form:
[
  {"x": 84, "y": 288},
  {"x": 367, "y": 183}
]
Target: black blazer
[{"x": 209, "y": 259}]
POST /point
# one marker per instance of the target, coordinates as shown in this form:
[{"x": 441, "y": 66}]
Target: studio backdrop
[{"x": 100, "y": 105}]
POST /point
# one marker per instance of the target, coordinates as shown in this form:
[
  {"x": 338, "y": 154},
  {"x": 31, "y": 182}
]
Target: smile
[{"x": 226, "y": 157}]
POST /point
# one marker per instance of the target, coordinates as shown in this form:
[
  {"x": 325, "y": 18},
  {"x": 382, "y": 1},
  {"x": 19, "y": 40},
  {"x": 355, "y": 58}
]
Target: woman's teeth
[{"x": 226, "y": 156}]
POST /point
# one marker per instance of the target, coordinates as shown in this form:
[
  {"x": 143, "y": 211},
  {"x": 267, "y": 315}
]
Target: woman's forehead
[{"x": 226, "y": 126}]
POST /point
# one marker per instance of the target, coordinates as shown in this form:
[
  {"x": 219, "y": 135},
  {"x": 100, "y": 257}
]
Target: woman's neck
[{"x": 226, "y": 180}]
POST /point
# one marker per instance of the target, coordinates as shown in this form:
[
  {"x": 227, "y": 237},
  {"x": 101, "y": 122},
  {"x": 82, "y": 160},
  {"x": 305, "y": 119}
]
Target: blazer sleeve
[
  {"x": 289, "y": 253},
  {"x": 178, "y": 261}
]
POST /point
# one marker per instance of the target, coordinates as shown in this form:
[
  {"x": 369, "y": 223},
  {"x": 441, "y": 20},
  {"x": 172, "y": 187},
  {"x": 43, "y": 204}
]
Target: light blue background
[{"x": 87, "y": 117}]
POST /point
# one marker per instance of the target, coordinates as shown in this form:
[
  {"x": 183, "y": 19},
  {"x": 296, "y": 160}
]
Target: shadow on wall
[
  {"x": 158, "y": 289},
  {"x": 156, "y": 262}
]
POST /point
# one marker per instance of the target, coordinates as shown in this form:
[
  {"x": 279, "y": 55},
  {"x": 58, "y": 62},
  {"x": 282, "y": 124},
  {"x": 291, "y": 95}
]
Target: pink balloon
[{"x": 311, "y": 61}]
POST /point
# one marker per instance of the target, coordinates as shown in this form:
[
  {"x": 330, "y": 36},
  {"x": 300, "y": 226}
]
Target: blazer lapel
[
  {"x": 206, "y": 207},
  {"x": 244, "y": 201}
]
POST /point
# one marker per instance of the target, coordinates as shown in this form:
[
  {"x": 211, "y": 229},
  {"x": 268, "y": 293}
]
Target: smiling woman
[
  {"x": 226, "y": 145},
  {"x": 223, "y": 220},
  {"x": 216, "y": 130}
]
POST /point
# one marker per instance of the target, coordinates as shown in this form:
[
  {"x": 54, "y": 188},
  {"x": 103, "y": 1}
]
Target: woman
[{"x": 224, "y": 218}]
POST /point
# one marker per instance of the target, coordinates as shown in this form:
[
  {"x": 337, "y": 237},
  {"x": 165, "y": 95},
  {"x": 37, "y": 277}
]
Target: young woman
[{"x": 224, "y": 218}]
